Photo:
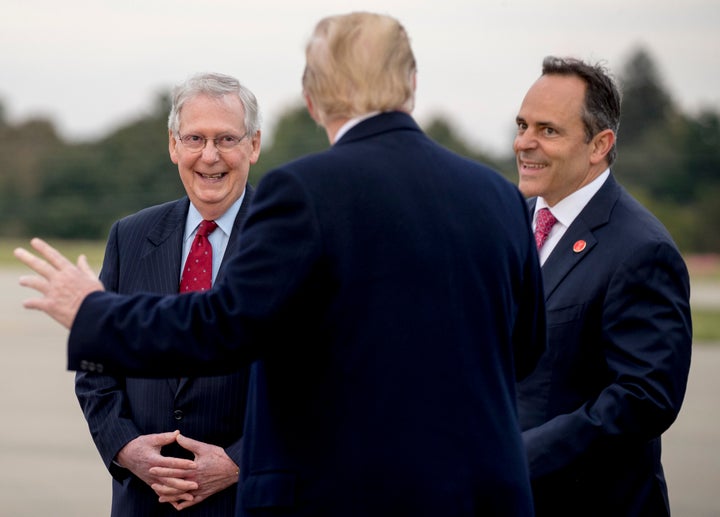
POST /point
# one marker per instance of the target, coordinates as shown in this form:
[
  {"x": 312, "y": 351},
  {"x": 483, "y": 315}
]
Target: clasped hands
[{"x": 178, "y": 481}]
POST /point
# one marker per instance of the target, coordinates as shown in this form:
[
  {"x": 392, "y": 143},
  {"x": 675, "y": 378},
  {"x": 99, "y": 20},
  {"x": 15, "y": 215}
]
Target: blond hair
[{"x": 359, "y": 63}]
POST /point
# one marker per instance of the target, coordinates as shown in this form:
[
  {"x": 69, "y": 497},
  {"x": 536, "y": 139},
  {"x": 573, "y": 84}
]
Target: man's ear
[
  {"x": 311, "y": 109},
  {"x": 172, "y": 147},
  {"x": 601, "y": 145},
  {"x": 255, "y": 143}
]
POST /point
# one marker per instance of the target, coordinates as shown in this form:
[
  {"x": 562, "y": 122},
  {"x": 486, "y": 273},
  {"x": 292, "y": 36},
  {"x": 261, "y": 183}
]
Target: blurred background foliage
[{"x": 670, "y": 160}]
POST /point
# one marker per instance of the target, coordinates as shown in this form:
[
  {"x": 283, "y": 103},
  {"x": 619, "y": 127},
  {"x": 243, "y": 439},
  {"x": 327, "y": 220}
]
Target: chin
[{"x": 526, "y": 191}]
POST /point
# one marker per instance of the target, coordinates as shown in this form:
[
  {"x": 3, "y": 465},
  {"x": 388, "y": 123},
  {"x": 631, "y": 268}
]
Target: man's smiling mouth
[
  {"x": 532, "y": 165},
  {"x": 213, "y": 176}
]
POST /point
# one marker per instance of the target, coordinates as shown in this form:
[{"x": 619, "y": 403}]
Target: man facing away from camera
[{"x": 391, "y": 290}]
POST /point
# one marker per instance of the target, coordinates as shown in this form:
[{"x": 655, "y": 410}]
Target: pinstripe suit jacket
[{"x": 143, "y": 254}]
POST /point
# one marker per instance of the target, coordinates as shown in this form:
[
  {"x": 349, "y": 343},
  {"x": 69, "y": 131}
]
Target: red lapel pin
[{"x": 579, "y": 246}]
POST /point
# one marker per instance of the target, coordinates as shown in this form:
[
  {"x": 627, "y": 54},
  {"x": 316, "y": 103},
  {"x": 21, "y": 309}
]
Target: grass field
[
  {"x": 703, "y": 270},
  {"x": 94, "y": 250}
]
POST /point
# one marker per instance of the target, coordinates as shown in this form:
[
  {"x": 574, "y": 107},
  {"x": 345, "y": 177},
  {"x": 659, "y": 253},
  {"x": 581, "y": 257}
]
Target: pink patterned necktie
[
  {"x": 197, "y": 273},
  {"x": 543, "y": 224}
]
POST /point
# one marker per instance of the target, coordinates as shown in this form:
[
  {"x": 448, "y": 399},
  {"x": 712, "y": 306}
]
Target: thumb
[
  {"x": 83, "y": 265},
  {"x": 166, "y": 438},
  {"x": 189, "y": 443}
]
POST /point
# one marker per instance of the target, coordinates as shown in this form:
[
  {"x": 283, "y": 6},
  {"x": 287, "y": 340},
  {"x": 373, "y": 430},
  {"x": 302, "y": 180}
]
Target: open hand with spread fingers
[{"x": 63, "y": 285}]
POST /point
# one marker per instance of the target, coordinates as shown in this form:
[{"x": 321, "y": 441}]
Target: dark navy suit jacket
[
  {"x": 144, "y": 254},
  {"x": 614, "y": 374},
  {"x": 393, "y": 292}
]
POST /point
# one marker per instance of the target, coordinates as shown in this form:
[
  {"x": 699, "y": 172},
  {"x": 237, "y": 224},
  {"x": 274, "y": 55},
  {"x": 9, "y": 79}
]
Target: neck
[{"x": 333, "y": 126}]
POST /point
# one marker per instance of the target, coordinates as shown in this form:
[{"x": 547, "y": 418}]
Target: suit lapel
[
  {"x": 563, "y": 258},
  {"x": 161, "y": 258},
  {"x": 579, "y": 240}
]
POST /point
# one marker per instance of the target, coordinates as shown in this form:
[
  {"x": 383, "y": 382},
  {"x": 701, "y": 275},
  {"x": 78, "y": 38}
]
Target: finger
[
  {"x": 179, "y": 497},
  {"x": 37, "y": 304},
  {"x": 189, "y": 443},
  {"x": 171, "y": 486},
  {"x": 36, "y": 282},
  {"x": 83, "y": 265},
  {"x": 52, "y": 255},
  {"x": 167, "y": 491},
  {"x": 176, "y": 500},
  {"x": 170, "y": 463},
  {"x": 179, "y": 506},
  {"x": 34, "y": 262},
  {"x": 187, "y": 504},
  {"x": 39, "y": 284},
  {"x": 164, "y": 472},
  {"x": 165, "y": 438}
]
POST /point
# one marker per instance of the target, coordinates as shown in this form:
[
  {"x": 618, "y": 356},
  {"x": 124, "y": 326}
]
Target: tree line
[{"x": 58, "y": 189}]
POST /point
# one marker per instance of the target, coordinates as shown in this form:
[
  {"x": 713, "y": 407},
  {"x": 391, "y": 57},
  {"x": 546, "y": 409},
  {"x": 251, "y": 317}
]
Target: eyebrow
[{"x": 540, "y": 123}]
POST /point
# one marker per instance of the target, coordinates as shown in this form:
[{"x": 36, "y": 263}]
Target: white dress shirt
[{"x": 565, "y": 211}]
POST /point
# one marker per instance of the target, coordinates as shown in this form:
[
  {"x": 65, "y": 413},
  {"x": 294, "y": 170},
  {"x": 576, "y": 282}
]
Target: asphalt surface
[{"x": 49, "y": 465}]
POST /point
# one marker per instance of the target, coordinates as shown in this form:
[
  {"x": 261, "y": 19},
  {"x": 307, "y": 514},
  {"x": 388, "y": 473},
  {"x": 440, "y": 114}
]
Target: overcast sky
[{"x": 93, "y": 65}]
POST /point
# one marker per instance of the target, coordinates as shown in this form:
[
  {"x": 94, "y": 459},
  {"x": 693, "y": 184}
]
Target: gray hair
[{"x": 217, "y": 86}]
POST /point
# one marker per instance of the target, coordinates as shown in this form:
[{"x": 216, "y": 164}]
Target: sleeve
[
  {"x": 234, "y": 451},
  {"x": 210, "y": 333},
  {"x": 529, "y": 332},
  {"x": 646, "y": 334}
]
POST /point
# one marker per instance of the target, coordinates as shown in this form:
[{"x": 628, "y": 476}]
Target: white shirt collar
[
  {"x": 567, "y": 209},
  {"x": 225, "y": 222},
  {"x": 347, "y": 126}
]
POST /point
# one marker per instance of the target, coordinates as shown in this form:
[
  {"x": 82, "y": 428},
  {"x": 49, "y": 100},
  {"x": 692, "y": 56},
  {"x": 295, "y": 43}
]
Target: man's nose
[
  {"x": 210, "y": 152},
  {"x": 524, "y": 140}
]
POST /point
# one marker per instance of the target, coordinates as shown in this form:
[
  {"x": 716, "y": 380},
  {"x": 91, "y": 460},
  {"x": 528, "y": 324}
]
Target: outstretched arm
[
  {"x": 63, "y": 284},
  {"x": 196, "y": 334}
]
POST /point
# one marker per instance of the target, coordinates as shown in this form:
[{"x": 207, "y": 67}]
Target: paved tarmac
[{"x": 49, "y": 465}]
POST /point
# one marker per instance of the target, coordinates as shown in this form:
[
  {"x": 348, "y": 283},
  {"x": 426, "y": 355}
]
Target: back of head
[
  {"x": 602, "y": 96},
  {"x": 359, "y": 63},
  {"x": 216, "y": 86}
]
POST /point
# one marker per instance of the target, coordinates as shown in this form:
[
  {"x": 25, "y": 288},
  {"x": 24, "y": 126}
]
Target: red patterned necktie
[
  {"x": 197, "y": 273},
  {"x": 543, "y": 224}
]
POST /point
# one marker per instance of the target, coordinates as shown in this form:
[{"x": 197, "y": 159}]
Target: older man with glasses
[{"x": 214, "y": 137}]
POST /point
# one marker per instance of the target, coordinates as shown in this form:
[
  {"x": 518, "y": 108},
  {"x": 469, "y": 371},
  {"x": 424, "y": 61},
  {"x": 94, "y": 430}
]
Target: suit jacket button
[{"x": 178, "y": 414}]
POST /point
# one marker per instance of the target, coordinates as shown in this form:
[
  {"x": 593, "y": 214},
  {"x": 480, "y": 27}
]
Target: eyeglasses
[{"x": 223, "y": 143}]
